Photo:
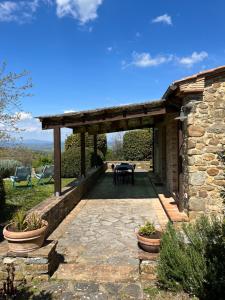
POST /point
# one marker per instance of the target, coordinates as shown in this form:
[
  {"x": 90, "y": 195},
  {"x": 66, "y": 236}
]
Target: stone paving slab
[
  {"x": 99, "y": 273},
  {"x": 58, "y": 290},
  {"x": 97, "y": 240}
]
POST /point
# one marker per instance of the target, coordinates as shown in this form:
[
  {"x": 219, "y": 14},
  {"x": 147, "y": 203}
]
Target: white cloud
[
  {"x": 23, "y": 11},
  {"x": 81, "y": 10},
  {"x": 145, "y": 60},
  {"x": 109, "y": 49},
  {"x": 18, "y": 11},
  {"x": 69, "y": 111},
  {"x": 194, "y": 58},
  {"x": 166, "y": 19}
]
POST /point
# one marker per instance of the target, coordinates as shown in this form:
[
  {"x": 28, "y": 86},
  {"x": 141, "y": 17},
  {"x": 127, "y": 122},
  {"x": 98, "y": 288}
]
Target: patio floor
[{"x": 97, "y": 242}]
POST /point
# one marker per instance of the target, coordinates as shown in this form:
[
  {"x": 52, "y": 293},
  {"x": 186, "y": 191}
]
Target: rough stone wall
[{"x": 204, "y": 138}]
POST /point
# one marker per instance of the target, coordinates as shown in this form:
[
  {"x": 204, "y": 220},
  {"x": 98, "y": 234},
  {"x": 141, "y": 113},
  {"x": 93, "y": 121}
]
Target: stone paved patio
[{"x": 97, "y": 241}]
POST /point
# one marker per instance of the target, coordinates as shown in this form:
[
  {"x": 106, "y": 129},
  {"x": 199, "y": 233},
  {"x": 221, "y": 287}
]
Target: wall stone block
[
  {"x": 195, "y": 131},
  {"x": 197, "y": 178}
]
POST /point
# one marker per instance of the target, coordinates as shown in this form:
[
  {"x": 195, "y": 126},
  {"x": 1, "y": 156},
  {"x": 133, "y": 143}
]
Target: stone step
[
  {"x": 96, "y": 273},
  {"x": 171, "y": 209}
]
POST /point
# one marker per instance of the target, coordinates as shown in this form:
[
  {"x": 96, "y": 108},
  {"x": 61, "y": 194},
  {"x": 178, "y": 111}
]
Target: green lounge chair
[
  {"x": 47, "y": 173},
  {"x": 22, "y": 174}
]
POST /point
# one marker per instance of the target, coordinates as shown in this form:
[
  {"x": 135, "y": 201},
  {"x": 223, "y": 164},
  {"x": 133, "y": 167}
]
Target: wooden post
[
  {"x": 95, "y": 141},
  {"x": 82, "y": 151},
  {"x": 57, "y": 161}
]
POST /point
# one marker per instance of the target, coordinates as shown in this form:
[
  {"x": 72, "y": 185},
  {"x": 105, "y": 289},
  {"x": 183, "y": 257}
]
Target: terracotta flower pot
[
  {"x": 26, "y": 241},
  {"x": 149, "y": 244}
]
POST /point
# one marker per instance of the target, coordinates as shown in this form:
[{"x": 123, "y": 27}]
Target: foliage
[
  {"x": 33, "y": 221},
  {"x": 116, "y": 153},
  {"x": 25, "y": 198},
  {"x": 18, "y": 220},
  {"x": 2, "y": 192},
  {"x": 11, "y": 93},
  {"x": 42, "y": 160},
  {"x": 193, "y": 259},
  {"x": 8, "y": 167},
  {"x": 24, "y": 155},
  {"x": 147, "y": 230},
  {"x": 73, "y": 141},
  {"x": 137, "y": 145},
  {"x": 23, "y": 222},
  {"x": 71, "y": 165}
]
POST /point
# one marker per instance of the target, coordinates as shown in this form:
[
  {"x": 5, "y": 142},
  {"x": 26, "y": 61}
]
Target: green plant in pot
[
  {"x": 26, "y": 232},
  {"x": 149, "y": 237}
]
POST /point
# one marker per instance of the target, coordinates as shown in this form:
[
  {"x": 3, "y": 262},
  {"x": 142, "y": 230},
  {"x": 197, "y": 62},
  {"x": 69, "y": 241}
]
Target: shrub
[
  {"x": 189, "y": 259},
  {"x": 8, "y": 167},
  {"x": 23, "y": 222},
  {"x": 74, "y": 141},
  {"x": 137, "y": 145},
  {"x": 147, "y": 230},
  {"x": 2, "y": 192},
  {"x": 42, "y": 160},
  {"x": 71, "y": 161}
]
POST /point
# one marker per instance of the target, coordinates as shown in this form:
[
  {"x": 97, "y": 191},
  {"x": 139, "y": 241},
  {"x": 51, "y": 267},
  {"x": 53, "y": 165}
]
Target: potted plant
[
  {"x": 149, "y": 238},
  {"x": 26, "y": 232}
]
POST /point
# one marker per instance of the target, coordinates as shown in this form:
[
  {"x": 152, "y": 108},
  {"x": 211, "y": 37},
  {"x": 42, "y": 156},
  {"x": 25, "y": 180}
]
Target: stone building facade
[{"x": 188, "y": 150}]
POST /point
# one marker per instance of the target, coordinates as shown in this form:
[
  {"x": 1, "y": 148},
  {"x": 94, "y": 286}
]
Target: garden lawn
[{"x": 26, "y": 198}]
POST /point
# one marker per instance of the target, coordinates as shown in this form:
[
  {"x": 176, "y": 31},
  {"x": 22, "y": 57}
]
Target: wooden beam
[
  {"x": 79, "y": 122},
  {"x": 117, "y": 126},
  {"x": 82, "y": 151},
  {"x": 57, "y": 161},
  {"x": 95, "y": 142}
]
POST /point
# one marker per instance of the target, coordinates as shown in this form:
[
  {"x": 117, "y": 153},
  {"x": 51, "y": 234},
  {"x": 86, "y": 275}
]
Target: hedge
[
  {"x": 8, "y": 167},
  {"x": 74, "y": 141},
  {"x": 137, "y": 145},
  {"x": 2, "y": 192},
  {"x": 71, "y": 161}
]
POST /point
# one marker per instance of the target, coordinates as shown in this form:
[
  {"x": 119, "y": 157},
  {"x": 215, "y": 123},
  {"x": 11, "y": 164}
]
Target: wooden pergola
[{"x": 98, "y": 121}]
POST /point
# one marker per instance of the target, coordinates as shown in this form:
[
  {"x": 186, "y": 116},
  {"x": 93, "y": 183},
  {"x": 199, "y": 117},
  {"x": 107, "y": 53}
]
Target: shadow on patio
[{"x": 106, "y": 189}]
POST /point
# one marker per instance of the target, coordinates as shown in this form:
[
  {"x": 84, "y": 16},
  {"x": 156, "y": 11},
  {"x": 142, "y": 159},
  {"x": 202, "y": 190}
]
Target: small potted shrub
[
  {"x": 25, "y": 233},
  {"x": 149, "y": 238}
]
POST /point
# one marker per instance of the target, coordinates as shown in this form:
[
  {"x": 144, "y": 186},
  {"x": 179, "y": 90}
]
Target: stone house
[
  {"x": 189, "y": 131},
  {"x": 186, "y": 156}
]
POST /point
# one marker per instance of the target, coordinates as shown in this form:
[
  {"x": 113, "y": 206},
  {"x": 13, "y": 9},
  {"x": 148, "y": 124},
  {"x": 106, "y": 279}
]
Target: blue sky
[{"x": 85, "y": 54}]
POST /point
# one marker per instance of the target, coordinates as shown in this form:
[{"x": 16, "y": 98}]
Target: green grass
[{"x": 26, "y": 198}]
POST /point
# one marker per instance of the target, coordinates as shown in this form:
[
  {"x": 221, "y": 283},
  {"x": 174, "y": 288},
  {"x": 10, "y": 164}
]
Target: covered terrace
[{"x": 105, "y": 120}]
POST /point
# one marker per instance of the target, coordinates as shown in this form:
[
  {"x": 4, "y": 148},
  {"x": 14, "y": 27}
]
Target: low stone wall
[
  {"x": 145, "y": 165},
  {"x": 55, "y": 209},
  {"x": 38, "y": 264},
  {"x": 41, "y": 263}
]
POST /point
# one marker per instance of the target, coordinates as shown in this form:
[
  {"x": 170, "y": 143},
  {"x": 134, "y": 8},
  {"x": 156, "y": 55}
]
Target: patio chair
[
  {"x": 47, "y": 173},
  {"x": 22, "y": 174}
]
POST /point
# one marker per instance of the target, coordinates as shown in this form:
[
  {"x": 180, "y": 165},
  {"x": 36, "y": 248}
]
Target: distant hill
[
  {"x": 33, "y": 144},
  {"x": 37, "y": 144}
]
